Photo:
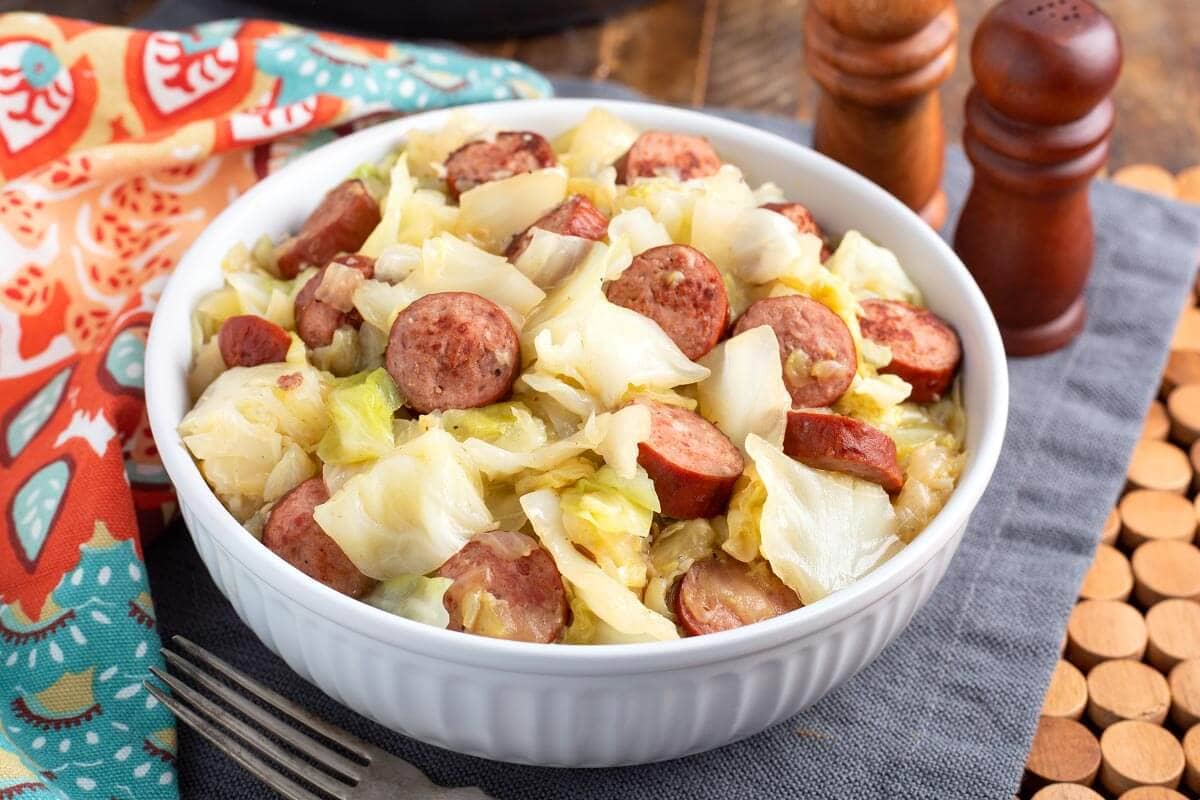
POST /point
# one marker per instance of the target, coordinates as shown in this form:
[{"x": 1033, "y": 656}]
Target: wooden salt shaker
[
  {"x": 1038, "y": 122},
  {"x": 880, "y": 65}
]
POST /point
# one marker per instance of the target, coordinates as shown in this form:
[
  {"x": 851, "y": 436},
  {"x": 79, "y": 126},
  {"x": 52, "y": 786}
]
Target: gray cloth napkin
[{"x": 949, "y": 709}]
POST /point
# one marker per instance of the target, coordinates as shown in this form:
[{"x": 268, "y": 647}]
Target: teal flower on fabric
[
  {"x": 71, "y": 694},
  {"x": 412, "y": 77}
]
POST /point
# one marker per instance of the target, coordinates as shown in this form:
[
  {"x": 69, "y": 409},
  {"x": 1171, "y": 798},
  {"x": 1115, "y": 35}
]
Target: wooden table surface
[{"x": 750, "y": 54}]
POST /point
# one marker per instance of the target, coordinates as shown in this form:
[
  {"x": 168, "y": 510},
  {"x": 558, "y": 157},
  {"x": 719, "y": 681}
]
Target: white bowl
[{"x": 563, "y": 705}]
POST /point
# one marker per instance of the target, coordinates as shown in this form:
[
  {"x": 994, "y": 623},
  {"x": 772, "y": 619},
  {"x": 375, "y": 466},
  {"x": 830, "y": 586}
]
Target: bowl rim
[{"x": 523, "y": 657}]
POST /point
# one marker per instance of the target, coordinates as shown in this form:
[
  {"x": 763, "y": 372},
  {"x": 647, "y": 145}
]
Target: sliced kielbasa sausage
[
  {"x": 292, "y": 534},
  {"x": 248, "y": 340},
  {"x": 509, "y": 153},
  {"x": 505, "y": 586},
  {"x": 819, "y": 359},
  {"x": 693, "y": 465},
  {"x": 802, "y": 218},
  {"x": 721, "y": 593},
  {"x": 843, "y": 444},
  {"x": 680, "y": 289},
  {"x": 575, "y": 216},
  {"x": 925, "y": 350},
  {"x": 316, "y": 320},
  {"x": 340, "y": 224},
  {"x": 674, "y": 155},
  {"x": 452, "y": 350}
]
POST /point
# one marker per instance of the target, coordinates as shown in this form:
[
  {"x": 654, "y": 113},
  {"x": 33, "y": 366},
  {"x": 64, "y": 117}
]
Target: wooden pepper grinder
[
  {"x": 880, "y": 65},
  {"x": 1038, "y": 122}
]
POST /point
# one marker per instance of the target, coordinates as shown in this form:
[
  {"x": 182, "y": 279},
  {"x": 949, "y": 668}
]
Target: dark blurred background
[{"x": 742, "y": 53}]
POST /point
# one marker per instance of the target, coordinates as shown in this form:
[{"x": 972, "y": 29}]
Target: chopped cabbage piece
[
  {"x": 449, "y": 264},
  {"x": 610, "y": 516},
  {"x": 668, "y": 200},
  {"x": 426, "y": 151},
  {"x": 742, "y": 518},
  {"x": 360, "y": 412},
  {"x": 508, "y": 425},
  {"x": 676, "y": 547},
  {"x": 606, "y": 597},
  {"x": 400, "y": 190},
  {"x": 378, "y": 303},
  {"x": 604, "y": 348},
  {"x": 387, "y": 533},
  {"x": 820, "y": 530},
  {"x": 871, "y": 271},
  {"x": 294, "y": 468},
  {"x": 563, "y": 474},
  {"x": 426, "y": 214},
  {"x": 765, "y": 246},
  {"x": 341, "y": 355},
  {"x": 244, "y": 421},
  {"x": 413, "y": 597},
  {"x": 208, "y": 364},
  {"x": 494, "y": 212},
  {"x": 933, "y": 470},
  {"x": 550, "y": 257},
  {"x": 375, "y": 174},
  {"x": 641, "y": 230},
  {"x": 750, "y": 359},
  {"x": 396, "y": 262},
  {"x": 598, "y": 141}
]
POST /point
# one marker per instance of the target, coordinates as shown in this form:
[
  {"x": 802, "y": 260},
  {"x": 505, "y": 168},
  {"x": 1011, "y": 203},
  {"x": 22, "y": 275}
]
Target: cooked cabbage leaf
[
  {"x": 550, "y": 257},
  {"x": 606, "y": 597},
  {"x": 244, "y": 421},
  {"x": 871, "y": 270},
  {"x": 750, "y": 359},
  {"x": 604, "y": 348},
  {"x": 494, "y": 212},
  {"x": 675, "y": 548},
  {"x": 821, "y": 531},
  {"x": 449, "y": 264},
  {"x": 599, "y": 140},
  {"x": 742, "y": 518},
  {"x": 610, "y": 516},
  {"x": 360, "y": 412},
  {"x": 641, "y": 230},
  {"x": 413, "y": 597},
  {"x": 400, "y": 191},
  {"x": 410, "y": 511}
]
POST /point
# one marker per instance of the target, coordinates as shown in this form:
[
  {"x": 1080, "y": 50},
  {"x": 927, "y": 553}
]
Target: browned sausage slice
[
  {"x": 575, "y": 216},
  {"x": 843, "y": 444},
  {"x": 802, "y": 218},
  {"x": 680, "y": 289},
  {"x": 452, "y": 350},
  {"x": 721, "y": 593},
  {"x": 693, "y": 465},
  {"x": 510, "y": 153},
  {"x": 675, "y": 155},
  {"x": 340, "y": 224},
  {"x": 248, "y": 340},
  {"x": 292, "y": 534},
  {"x": 505, "y": 586},
  {"x": 316, "y": 320},
  {"x": 925, "y": 350},
  {"x": 819, "y": 359}
]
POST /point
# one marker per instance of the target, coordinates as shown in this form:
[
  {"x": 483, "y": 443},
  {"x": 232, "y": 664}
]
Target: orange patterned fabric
[{"x": 117, "y": 147}]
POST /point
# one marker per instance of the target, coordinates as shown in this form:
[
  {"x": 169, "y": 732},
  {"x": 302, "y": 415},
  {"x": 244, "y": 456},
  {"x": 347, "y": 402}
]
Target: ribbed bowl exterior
[{"x": 564, "y": 720}]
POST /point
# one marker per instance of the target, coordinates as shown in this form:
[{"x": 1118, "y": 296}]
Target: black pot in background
[{"x": 399, "y": 19}]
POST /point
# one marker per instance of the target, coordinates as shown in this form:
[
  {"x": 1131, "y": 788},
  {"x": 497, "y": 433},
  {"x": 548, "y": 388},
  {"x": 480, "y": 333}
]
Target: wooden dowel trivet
[
  {"x": 1067, "y": 791},
  {"x": 1109, "y": 578},
  {"x": 1139, "y": 754},
  {"x": 1101, "y": 630},
  {"x": 1183, "y": 407},
  {"x": 1112, "y": 527},
  {"x": 1067, "y": 695},
  {"x": 1152, "y": 793},
  {"x": 1120, "y": 690},
  {"x": 1159, "y": 465},
  {"x": 1173, "y": 628},
  {"x": 1183, "y": 366},
  {"x": 1166, "y": 569},
  {"x": 1063, "y": 751},
  {"x": 1191, "y": 752},
  {"x": 1157, "y": 423},
  {"x": 1184, "y": 681},
  {"x": 1147, "y": 515}
]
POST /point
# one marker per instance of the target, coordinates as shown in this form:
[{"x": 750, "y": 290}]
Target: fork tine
[
  {"x": 252, "y": 738},
  {"x": 295, "y": 711},
  {"x": 260, "y": 769},
  {"x": 296, "y": 738}
]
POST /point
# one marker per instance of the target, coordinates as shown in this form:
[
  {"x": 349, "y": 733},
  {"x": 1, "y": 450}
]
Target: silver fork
[{"x": 368, "y": 773}]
